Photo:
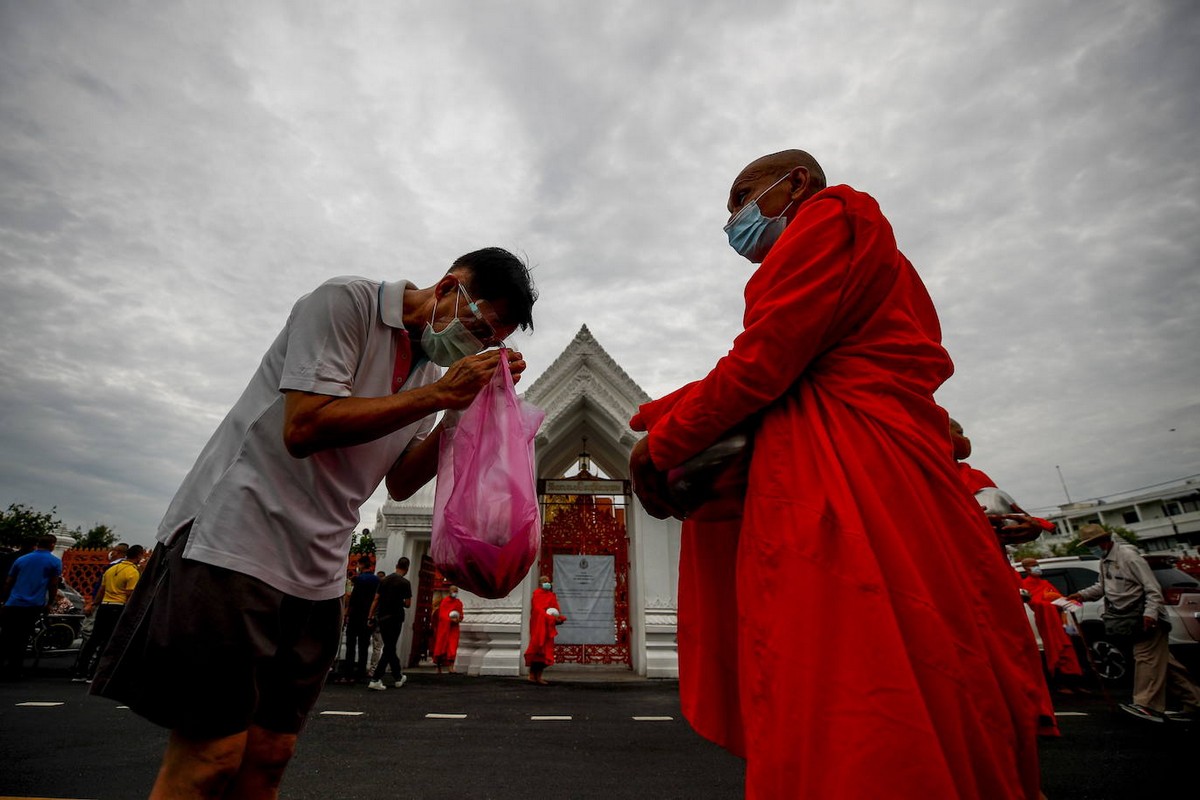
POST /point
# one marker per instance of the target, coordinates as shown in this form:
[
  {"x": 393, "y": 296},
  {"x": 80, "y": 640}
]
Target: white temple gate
[{"x": 582, "y": 454}]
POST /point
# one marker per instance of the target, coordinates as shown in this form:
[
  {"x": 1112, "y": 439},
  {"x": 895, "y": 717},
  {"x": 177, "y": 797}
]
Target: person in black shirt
[
  {"x": 358, "y": 630},
  {"x": 395, "y": 595}
]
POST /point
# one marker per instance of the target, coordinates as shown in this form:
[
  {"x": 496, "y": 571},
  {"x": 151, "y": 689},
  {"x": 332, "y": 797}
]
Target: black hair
[
  {"x": 134, "y": 552},
  {"x": 402, "y": 563},
  {"x": 497, "y": 274}
]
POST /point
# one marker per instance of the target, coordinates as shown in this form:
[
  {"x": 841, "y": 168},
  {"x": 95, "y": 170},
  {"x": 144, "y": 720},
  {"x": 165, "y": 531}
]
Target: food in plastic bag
[{"x": 486, "y": 521}]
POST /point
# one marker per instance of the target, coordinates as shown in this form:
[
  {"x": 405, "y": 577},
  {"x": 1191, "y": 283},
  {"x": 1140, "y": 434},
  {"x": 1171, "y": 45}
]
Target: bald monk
[
  {"x": 448, "y": 617},
  {"x": 545, "y": 616},
  {"x": 871, "y": 677},
  {"x": 1011, "y": 524}
]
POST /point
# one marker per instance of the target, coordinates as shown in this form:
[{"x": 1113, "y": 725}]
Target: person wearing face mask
[
  {"x": 447, "y": 619},
  {"x": 851, "y": 496},
  {"x": 545, "y": 616},
  {"x": 345, "y": 398},
  {"x": 1134, "y": 612},
  {"x": 1061, "y": 663}
]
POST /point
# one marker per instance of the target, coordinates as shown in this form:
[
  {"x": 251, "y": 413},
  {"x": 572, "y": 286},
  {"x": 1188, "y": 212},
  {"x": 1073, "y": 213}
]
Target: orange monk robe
[
  {"x": 542, "y": 628},
  {"x": 1056, "y": 644},
  {"x": 871, "y": 676},
  {"x": 445, "y": 640},
  {"x": 974, "y": 479}
]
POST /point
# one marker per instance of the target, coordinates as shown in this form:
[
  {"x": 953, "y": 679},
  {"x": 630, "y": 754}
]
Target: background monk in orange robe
[
  {"x": 1013, "y": 525},
  {"x": 873, "y": 675},
  {"x": 543, "y": 627},
  {"x": 445, "y": 639},
  {"x": 1062, "y": 665}
]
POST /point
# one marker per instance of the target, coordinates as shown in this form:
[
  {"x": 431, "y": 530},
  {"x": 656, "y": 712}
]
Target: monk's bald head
[
  {"x": 783, "y": 161},
  {"x": 959, "y": 440}
]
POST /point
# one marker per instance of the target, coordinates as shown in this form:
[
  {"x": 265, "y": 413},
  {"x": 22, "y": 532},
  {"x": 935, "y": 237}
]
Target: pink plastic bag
[{"x": 486, "y": 522}]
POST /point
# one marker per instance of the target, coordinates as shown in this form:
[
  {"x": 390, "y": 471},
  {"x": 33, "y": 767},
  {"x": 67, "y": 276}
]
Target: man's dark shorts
[{"x": 207, "y": 651}]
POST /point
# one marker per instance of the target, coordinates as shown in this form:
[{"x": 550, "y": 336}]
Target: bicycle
[{"x": 54, "y": 634}]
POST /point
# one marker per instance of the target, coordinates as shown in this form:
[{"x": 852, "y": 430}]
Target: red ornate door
[{"x": 586, "y": 525}]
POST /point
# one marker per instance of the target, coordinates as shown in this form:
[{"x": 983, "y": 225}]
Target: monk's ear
[{"x": 800, "y": 182}]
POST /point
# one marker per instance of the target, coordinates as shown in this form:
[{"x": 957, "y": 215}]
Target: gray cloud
[{"x": 173, "y": 177}]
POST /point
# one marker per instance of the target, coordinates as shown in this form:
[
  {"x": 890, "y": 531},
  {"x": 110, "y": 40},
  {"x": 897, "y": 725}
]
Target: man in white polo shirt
[{"x": 231, "y": 632}]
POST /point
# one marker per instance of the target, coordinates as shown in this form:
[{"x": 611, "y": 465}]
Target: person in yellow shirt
[{"x": 116, "y": 587}]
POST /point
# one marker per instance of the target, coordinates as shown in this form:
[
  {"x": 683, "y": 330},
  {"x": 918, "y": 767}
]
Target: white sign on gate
[{"x": 585, "y": 586}]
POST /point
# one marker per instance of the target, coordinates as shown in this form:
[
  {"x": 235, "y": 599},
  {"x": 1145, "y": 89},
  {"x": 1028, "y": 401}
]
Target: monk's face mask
[{"x": 751, "y": 234}]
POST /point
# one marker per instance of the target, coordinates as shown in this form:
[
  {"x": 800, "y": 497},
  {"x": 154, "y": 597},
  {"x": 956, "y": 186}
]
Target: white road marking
[
  {"x": 342, "y": 713},
  {"x": 1070, "y": 713},
  {"x": 125, "y": 707},
  {"x": 550, "y": 718},
  {"x": 653, "y": 719},
  {"x": 34, "y": 704},
  {"x": 445, "y": 716}
]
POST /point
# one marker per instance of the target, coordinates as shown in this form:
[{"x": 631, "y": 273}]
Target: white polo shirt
[{"x": 288, "y": 521}]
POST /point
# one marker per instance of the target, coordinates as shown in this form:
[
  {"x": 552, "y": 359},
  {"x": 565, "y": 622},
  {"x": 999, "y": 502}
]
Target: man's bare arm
[
  {"x": 316, "y": 422},
  {"x": 415, "y": 467}
]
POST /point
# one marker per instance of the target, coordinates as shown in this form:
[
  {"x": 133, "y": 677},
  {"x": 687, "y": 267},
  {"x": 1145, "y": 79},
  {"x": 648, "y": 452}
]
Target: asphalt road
[{"x": 463, "y": 737}]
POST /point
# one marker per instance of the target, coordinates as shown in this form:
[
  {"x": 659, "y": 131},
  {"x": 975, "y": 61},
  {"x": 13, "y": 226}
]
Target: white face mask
[{"x": 452, "y": 343}]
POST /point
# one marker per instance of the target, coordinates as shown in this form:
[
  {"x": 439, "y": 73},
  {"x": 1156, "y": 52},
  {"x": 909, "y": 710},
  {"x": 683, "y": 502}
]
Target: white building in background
[
  {"x": 588, "y": 400},
  {"x": 1164, "y": 519}
]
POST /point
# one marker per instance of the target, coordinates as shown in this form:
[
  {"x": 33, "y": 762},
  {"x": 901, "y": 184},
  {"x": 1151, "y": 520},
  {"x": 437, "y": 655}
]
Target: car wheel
[{"x": 1110, "y": 661}]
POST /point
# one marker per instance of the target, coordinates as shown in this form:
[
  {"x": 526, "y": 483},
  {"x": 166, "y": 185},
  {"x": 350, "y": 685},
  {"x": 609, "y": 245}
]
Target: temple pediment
[{"x": 585, "y": 393}]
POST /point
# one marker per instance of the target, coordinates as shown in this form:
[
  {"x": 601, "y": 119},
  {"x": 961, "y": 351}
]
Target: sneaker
[
  {"x": 403, "y": 680},
  {"x": 1179, "y": 716},
  {"x": 1142, "y": 712},
  {"x": 376, "y": 686}
]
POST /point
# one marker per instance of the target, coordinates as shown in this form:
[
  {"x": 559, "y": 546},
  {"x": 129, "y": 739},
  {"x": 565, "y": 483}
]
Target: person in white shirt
[{"x": 230, "y": 634}]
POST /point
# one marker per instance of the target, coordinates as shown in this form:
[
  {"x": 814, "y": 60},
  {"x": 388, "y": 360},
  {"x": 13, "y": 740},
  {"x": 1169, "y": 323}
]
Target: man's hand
[
  {"x": 467, "y": 376},
  {"x": 650, "y": 483},
  {"x": 516, "y": 365},
  {"x": 1149, "y": 623}
]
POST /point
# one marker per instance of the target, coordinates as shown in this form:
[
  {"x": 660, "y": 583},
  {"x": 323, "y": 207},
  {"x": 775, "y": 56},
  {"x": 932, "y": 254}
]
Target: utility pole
[{"x": 1064, "y": 483}]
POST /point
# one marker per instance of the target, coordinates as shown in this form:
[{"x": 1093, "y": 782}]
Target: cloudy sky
[{"x": 174, "y": 175}]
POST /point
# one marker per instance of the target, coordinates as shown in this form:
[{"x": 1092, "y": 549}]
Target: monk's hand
[
  {"x": 1025, "y": 529},
  {"x": 649, "y": 482}
]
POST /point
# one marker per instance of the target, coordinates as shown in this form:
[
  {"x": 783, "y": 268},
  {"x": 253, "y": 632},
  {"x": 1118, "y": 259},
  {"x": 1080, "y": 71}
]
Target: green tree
[
  {"x": 21, "y": 523},
  {"x": 362, "y": 543},
  {"x": 98, "y": 537},
  {"x": 1029, "y": 550}
]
